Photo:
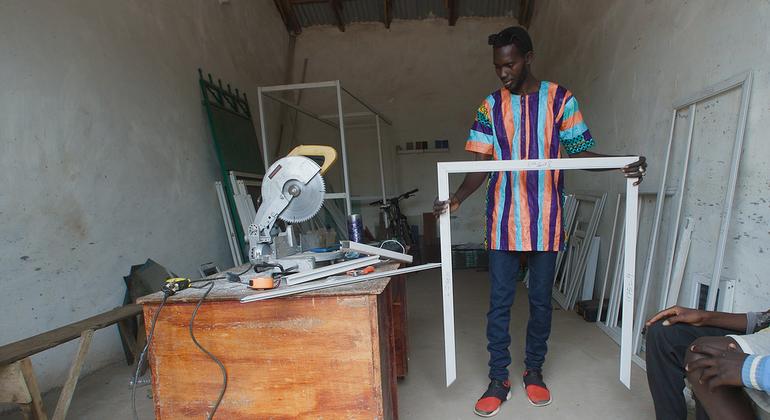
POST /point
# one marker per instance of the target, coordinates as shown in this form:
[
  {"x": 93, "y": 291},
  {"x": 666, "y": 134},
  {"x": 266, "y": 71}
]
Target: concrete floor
[{"x": 581, "y": 370}]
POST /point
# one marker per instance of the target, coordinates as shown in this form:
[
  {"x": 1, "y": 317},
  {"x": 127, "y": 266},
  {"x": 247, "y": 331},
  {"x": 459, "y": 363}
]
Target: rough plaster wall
[
  {"x": 628, "y": 62},
  {"x": 105, "y": 152},
  {"x": 426, "y": 76}
]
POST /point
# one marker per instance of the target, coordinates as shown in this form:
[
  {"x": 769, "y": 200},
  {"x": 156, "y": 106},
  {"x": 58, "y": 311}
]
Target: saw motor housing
[{"x": 293, "y": 191}]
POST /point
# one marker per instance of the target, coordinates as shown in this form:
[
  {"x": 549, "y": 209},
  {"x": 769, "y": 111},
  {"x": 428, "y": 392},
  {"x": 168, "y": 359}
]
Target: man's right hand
[
  {"x": 439, "y": 207},
  {"x": 677, "y": 315}
]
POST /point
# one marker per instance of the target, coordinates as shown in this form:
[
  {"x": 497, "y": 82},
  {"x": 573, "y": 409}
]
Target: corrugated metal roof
[
  {"x": 419, "y": 9},
  {"x": 310, "y": 14}
]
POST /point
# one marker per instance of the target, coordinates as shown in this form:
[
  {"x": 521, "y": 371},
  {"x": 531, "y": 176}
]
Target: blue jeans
[{"x": 503, "y": 270}]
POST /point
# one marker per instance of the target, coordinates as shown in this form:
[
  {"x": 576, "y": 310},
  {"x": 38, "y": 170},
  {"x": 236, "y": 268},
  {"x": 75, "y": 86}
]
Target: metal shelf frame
[{"x": 336, "y": 121}]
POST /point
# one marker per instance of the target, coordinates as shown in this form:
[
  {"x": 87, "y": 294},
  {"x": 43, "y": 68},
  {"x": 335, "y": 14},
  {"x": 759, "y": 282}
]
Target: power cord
[
  {"x": 209, "y": 286},
  {"x": 144, "y": 353},
  {"x": 170, "y": 291}
]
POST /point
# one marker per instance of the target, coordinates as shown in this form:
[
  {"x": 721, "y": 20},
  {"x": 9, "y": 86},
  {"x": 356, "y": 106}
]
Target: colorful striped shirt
[{"x": 524, "y": 208}]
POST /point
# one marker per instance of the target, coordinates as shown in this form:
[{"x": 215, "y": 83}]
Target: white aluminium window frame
[{"x": 629, "y": 258}]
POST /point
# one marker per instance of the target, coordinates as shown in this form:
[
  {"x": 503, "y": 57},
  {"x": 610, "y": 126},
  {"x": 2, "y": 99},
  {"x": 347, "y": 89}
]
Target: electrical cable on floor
[
  {"x": 210, "y": 286},
  {"x": 143, "y": 354}
]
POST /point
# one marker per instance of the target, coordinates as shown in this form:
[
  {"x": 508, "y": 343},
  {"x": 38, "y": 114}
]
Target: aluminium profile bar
[
  {"x": 373, "y": 250},
  {"x": 334, "y": 282},
  {"x": 329, "y": 270},
  {"x": 629, "y": 266},
  {"x": 229, "y": 229},
  {"x": 262, "y": 130},
  {"x": 300, "y": 86},
  {"x": 379, "y": 151},
  {"x": 249, "y": 175},
  {"x": 302, "y": 110},
  {"x": 347, "y": 115},
  {"x": 609, "y": 259},
  {"x": 345, "y": 175},
  {"x": 367, "y": 106}
]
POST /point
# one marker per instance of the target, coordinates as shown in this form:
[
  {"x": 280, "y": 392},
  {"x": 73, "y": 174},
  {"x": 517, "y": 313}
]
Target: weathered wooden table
[{"x": 324, "y": 354}]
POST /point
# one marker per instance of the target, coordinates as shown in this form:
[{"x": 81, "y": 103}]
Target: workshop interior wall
[{"x": 106, "y": 155}]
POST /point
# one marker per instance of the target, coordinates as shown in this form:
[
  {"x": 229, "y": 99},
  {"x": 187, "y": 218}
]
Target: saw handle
[{"x": 328, "y": 153}]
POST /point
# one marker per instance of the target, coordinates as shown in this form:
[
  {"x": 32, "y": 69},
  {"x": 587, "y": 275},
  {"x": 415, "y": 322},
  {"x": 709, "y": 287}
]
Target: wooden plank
[
  {"x": 38, "y": 412},
  {"x": 289, "y": 17},
  {"x": 400, "y": 325},
  {"x": 65, "y": 398},
  {"x": 336, "y": 6},
  {"x": 451, "y": 6},
  {"x": 27, "y": 347},
  {"x": 308, "y": 357},
  {"x": 525, "y": 12},
  {"x": 388, "y": 15},
  {"x": 13, "y": 389}
]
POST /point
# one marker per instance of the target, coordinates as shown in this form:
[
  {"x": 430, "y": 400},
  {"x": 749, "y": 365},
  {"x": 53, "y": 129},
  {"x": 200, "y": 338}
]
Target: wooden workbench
[{"x": 324, "y": 354}]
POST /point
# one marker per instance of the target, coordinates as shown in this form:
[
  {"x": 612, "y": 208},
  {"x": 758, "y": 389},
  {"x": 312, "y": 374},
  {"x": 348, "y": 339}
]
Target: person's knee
[
  {"x": 690, "y": 356},
  {"x": 658, "y": 336}
]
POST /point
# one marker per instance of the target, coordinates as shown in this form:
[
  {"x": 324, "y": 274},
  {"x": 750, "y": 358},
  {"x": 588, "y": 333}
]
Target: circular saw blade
[{"x": 307, "y": 203}]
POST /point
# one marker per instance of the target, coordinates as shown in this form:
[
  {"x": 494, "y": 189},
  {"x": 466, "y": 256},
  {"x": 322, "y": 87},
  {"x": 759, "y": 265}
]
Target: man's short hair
[{"x": 514, "y": 35}]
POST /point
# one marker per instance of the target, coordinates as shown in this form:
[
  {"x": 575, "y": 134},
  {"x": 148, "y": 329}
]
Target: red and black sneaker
[
  {"x": 537, "y": 393},
  {"x": 489, "y": 403}
]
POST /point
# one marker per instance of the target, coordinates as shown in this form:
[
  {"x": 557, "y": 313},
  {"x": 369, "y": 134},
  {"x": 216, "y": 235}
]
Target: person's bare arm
[
  {"x": 698, "y": 318},
  {"x": 471, "y": 183}
]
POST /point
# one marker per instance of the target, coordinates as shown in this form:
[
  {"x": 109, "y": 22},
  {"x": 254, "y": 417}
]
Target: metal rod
[
  {"x": 298, "y": 86},
  {"x": 348, "y": 115},
  {"x": 609, "y": 259},
  {"x": 344, "y": 148},
  {"x": 727, "y": 207},
  {"x": 262, "y": 130},
  {"x": 367, "y": 106},
  {"x": 379, "y": 150},
  {"x": 302, "y": 110}
]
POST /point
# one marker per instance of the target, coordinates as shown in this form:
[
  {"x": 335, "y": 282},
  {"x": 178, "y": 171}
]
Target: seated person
[{"x": 672, "y": 333}]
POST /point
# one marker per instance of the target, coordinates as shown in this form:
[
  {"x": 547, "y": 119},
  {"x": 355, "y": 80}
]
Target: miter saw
[{"x": 293, "y": 191}]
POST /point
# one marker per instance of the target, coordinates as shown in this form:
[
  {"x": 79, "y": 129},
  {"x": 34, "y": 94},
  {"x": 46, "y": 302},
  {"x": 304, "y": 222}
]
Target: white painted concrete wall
[
  {"x": 627, "y": 62},
  {"x": 429, "y": 78},
  {"x": 106, "y": 156}
]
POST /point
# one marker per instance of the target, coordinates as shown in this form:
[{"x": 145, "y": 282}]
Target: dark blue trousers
[{"x": 503, "y": 270}]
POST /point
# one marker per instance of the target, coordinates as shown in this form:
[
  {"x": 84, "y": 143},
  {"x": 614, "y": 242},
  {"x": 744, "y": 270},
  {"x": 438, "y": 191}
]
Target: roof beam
[
  {"x": 388, "y": 15},
  {"x": 289, "y": 17},
  {"x": 451, "y": 6},
  {"x": 525, "y": 12},
  {"x": 336, "y": 6}
]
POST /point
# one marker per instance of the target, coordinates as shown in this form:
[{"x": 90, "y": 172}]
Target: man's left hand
[
  {"x": 636, "y": 170},
  {"x": 718, "y": 367}
]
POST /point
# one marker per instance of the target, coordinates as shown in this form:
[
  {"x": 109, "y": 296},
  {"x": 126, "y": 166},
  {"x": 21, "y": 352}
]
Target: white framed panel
[{"x": 629, "y": 258}]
